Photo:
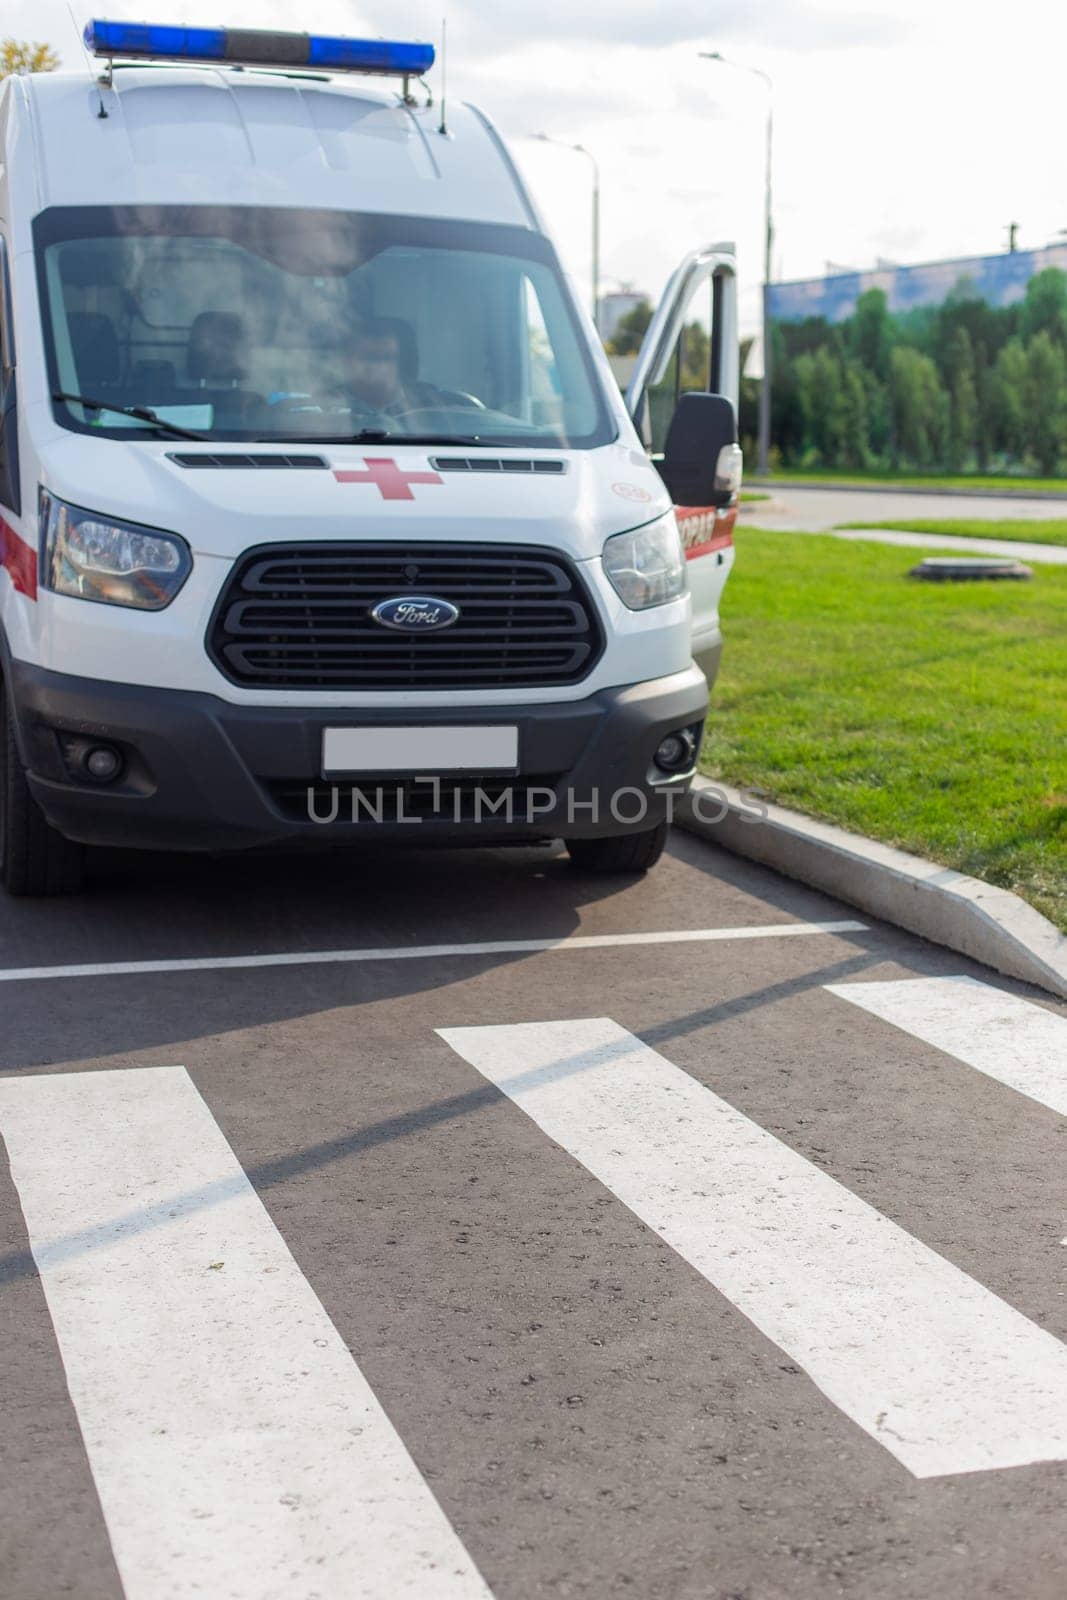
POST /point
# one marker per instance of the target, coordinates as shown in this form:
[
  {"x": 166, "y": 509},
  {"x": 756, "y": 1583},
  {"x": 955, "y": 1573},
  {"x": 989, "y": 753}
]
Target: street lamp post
[
  {"x": 564, "y": 144},
  {"x": 768, "y": 244}
]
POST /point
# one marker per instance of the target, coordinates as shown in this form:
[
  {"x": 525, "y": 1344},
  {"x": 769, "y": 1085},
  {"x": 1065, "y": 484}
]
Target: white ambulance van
[{"x": 321, "y": 516}]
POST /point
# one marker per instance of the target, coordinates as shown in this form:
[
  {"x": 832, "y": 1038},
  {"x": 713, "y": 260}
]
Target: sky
[{"x": 906, "y": 130}]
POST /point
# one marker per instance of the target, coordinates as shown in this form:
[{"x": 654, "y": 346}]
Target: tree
[
  {"x": 833, "y": 406},
  {"x": 810, "y": 403},
  {"x": 963, "y": 399},
  {"x": 1044, "y": 310},
  {"x": 787, "y": 420},
  {"x": 631, "y": 329},
  {"x": 18, "y": 57},
  {"x": 879, "y": 417},
  {"x": 696, "y": 356},
  {"x": 1008, "y": 400},
  {"x": 1045, "y": 400},
  {"x": 870, "y": 334},
  {"x": 919, "y": 407},
  {"x": 986, "y": 326},
  {"x": 856, "y": 439},
  {"x": 748, "y": 406},
  {"x": 983, "y": 441}
]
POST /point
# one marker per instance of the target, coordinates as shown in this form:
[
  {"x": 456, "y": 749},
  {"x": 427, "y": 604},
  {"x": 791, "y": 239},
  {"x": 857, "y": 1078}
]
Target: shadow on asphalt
[
  {"x": 170, "y": 907},
  {"x": 173, "y": 908},
  {"x": 448, "y": 1109},
  {"x": 154, "y": 908}
]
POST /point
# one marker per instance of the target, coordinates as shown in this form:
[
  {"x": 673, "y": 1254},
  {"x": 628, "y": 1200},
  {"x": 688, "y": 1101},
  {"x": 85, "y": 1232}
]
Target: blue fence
[{"x": 1000, "y": 280}]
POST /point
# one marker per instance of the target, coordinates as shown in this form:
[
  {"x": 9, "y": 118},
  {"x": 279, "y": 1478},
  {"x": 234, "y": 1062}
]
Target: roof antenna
[
  {"x": 443, "y": 128},
  {"x": 102, "y": 112}
]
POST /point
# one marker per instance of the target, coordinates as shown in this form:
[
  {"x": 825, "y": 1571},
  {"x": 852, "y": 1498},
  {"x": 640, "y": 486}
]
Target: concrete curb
[
  {"x": 888, "y": 487},
  {"x": 991, "y": 925},
  {"x": 754, "y": 509}
]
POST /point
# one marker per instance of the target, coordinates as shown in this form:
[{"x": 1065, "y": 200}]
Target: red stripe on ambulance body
[
  {"x": 19, "y": 560},
  {"x": 705, "y": 528}
]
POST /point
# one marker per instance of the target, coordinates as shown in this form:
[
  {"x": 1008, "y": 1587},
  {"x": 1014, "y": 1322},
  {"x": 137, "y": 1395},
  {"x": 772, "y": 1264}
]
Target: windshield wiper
[
  {"x": 371, "y": 436},
  {"x": 380, "y": 436},
  {"x": 142, "y": 413}
]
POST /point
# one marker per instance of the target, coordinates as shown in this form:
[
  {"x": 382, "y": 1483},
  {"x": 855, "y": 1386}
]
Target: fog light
[
  {"x": 102, "y": 763},
  {"x": 676, "y": 752}
]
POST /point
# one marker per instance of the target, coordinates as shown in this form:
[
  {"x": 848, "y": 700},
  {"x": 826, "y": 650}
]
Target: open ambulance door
[{"x": 683, "y": 397}]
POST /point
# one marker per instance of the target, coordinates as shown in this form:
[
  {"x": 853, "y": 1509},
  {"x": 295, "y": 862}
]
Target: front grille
[
  {"x": 298, "y": 617},
  {"x": 374, "y": 800}
]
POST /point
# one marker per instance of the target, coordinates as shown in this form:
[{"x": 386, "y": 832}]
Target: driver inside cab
[{"x": 381, "y": 369}]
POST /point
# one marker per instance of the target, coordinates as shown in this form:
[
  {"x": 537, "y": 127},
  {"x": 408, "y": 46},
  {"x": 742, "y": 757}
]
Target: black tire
[
  {"x": 34, "y": 858},
  {"x": 624, "y": 852}
]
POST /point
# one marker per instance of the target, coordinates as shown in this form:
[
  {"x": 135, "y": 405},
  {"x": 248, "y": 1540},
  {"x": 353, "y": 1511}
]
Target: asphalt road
[
  {"x": 818, "y": 509},
  {"x": 407, "y": 1276}
]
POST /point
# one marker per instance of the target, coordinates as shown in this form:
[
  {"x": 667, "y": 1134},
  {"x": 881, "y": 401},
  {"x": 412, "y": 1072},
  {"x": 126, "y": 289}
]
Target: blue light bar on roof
[{"x": 159, "y": 41}]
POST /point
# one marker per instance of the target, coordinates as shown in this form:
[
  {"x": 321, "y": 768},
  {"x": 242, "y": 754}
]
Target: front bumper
[{"x": 203, "y": 774}]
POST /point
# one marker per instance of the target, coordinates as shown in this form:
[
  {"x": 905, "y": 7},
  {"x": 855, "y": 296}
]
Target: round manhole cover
[{"x": 958, "y": 569}]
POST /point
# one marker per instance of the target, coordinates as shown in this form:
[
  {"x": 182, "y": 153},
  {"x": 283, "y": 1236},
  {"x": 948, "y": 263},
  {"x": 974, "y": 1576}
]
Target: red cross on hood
[{"x": 392, "y": 482}]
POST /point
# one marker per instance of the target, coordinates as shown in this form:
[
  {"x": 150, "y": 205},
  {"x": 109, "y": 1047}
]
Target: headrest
[
  {"x": 95, "y": 345},
  {"x": 217, "y": 347}
]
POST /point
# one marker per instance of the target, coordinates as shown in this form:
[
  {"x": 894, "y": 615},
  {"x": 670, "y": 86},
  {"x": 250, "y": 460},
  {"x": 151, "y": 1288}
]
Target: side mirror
[{"x": 701, "y": 463}]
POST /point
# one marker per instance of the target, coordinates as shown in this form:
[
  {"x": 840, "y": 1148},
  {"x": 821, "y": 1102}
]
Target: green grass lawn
[
  {"x": 931, "y": 716},
  {"x": 917, "y": 480},
  {"x": 749, "y": 494},
  {"x": 1037, "y": 530}
]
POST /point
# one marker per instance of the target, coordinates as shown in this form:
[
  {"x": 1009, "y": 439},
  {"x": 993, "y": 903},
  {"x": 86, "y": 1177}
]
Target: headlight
[
  {"x": 646, "y": 567},
  {"x": 117, "y": 563}
]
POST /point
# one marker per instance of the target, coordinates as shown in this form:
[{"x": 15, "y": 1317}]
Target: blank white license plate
[{"x": 419, "y": 750}]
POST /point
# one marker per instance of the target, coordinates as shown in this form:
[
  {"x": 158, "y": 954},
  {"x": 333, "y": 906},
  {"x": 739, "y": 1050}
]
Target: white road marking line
[
  {"x": 495, "y": 947},
  {"x": 237, "y": 1448},
  {"x": 943, "y": 1373},
  {"x": 1009, "y": 1039}
]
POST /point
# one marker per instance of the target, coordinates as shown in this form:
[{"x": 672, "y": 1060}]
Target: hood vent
[
  {"x": 493, "y": 464},
  {"x": 203, "y": 459}
]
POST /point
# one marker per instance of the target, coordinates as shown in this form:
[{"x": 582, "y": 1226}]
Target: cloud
[
  {"x": 775, "y": 24},
  {"x": 681, "y": 142},
  {"x": 898, "y": 238},
  {"x": 478, "y": 32}
]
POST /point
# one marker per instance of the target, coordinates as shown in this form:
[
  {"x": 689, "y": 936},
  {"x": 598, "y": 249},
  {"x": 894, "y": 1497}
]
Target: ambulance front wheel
[
  {"x": 34, "y": 858},
  {"x": 624, "y": 852}
]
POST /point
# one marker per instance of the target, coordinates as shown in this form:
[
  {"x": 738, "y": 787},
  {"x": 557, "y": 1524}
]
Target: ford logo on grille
[{"x": 415, "y": 613}]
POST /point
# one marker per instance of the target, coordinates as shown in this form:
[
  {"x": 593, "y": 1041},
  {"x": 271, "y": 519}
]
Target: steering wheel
[
  {"x": 460, "y": 397},
  {"x": 433, "y": 412},
  {"x": 308, "y": 405}
]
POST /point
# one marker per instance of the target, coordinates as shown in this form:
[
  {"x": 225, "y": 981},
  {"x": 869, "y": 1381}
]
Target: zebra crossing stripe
[
  {"x": 944, "y": 1374},
  {"x": 431, "y": 952},
  {"x": 236, "y": 1447},
  {"x": 1009, "y": 1039}
]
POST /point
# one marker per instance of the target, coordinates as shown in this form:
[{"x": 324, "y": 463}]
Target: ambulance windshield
[{"x": 260, "y": 323}]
